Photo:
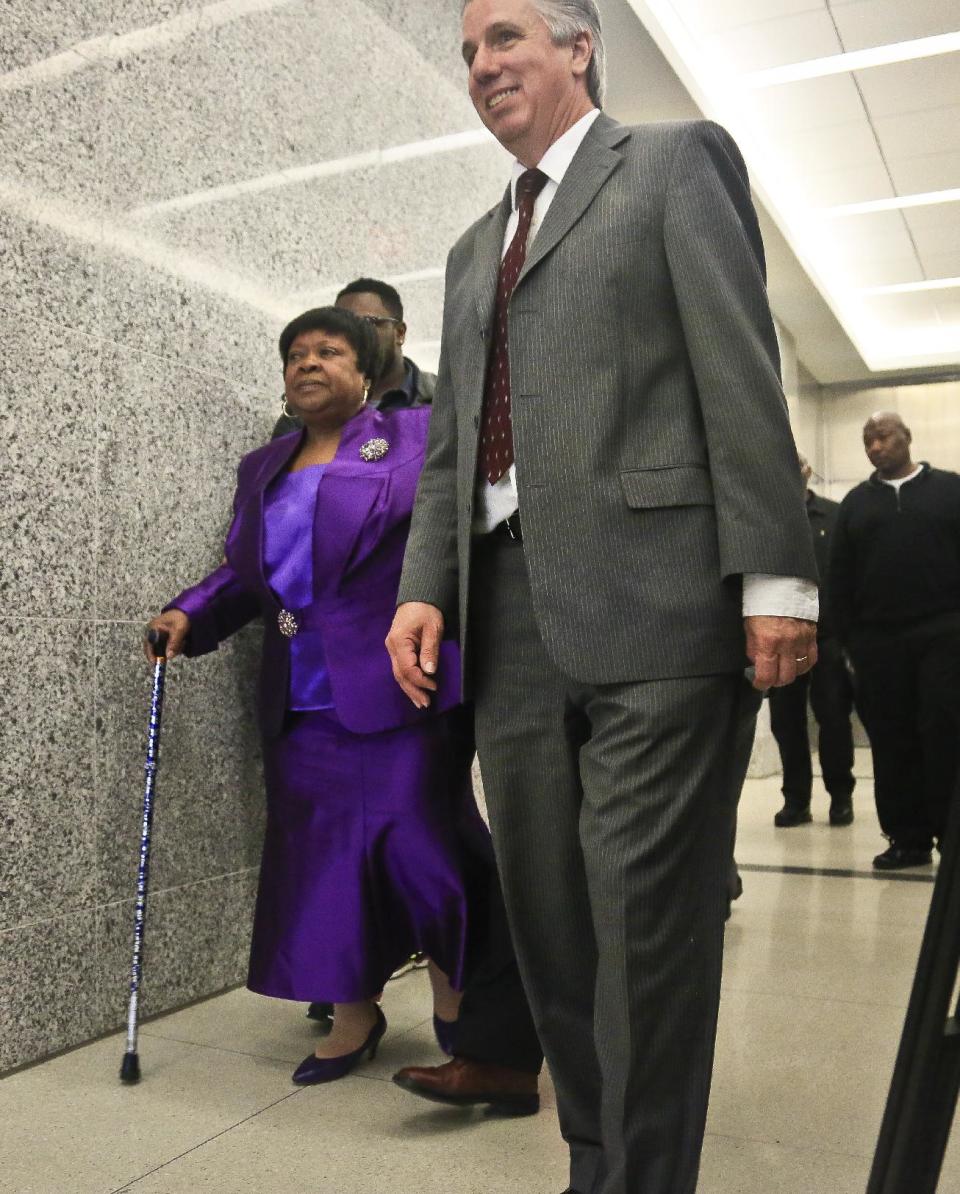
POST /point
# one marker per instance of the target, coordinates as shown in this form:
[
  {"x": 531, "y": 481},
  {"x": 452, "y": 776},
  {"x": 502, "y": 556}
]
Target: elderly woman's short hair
[
  {"x": 566, "y": 19},
  {"x": 336, "y": 321}
]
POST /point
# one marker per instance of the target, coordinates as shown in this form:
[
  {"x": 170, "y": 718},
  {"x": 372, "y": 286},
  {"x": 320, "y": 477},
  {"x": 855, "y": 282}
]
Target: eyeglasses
[{"x": 377, "y": 321}]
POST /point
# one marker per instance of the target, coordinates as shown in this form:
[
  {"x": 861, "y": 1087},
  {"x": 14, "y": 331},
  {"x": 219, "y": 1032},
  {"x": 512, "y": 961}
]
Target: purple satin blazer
[{"x": 359, "y": 533}]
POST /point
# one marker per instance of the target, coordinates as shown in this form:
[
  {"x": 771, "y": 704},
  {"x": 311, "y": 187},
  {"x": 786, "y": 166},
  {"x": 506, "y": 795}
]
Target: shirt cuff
[{"x": 780, "y": 597}]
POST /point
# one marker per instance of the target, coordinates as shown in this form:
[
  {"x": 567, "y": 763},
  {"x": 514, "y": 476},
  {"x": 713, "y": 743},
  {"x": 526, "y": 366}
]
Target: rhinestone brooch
[
  {"x": 374, "y": 449},
  {"x": 287, "y": 623}
]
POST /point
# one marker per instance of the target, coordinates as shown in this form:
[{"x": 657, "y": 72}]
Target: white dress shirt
[{"x": 783, "y": 596}]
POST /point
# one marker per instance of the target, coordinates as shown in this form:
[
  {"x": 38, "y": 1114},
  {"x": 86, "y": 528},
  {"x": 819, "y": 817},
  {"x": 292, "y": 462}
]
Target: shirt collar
[
  {"x": 406, "y": 393},
  {"x": 556, "y": 161}
]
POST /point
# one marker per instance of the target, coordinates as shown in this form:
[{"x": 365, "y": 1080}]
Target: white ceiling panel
[
  {"x": 811, "y": 104},
  {"x": 912, "y": 86},
  {"x": 936, "y": 130},
  {"x": 849, "y": 145},
  {"x": 851, "y": 184},
  {"x": 867, "y": 23},
  {"x": 882, "y": 237},
  {"x": 775, "y": 43},
  {"x": 949, "y": 308},
  {"x": 916, "y": 175},
  {"x": 935, "y": 229},
  {"x": 709, "y": 16},
  {"x": 891, "y": 131},
  {"x": 942, "y": 264}
]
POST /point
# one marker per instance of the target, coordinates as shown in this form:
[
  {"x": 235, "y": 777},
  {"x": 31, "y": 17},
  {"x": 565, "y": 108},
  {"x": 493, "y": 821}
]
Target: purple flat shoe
[{"x": 314, "y": 1070}]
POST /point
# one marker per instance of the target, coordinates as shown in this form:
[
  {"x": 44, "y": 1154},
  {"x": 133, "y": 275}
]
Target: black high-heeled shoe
[{"x": 314, "y": 1070}]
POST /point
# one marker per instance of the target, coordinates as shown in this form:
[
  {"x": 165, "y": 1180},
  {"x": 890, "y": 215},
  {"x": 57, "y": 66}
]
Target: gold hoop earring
[
  {"x": 366, "y": 394},
  {"x": 286, "y": 409}
]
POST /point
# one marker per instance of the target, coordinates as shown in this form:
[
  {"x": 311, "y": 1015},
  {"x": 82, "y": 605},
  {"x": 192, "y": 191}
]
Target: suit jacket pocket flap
[{"x": 683, "y": 485}]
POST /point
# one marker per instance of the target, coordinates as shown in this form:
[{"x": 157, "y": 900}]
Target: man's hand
[
  {"x": 176, "y": 625},
  {"x": 414, "y": 646},
  {"x": 780, "y": 649}
]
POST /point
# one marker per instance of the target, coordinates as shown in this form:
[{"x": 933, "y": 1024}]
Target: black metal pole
[{"x": 926, "y": 1078}]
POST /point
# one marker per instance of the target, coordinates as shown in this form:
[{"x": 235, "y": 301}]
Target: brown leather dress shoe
[{"x": 463, "y": 1083}]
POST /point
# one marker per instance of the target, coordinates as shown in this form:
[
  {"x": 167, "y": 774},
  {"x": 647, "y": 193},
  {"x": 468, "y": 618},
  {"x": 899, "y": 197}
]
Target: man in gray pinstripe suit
[{"x": 611, "y": 511}]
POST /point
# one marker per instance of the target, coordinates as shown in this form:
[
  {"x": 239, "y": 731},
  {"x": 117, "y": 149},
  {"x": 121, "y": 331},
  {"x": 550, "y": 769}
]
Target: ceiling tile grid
[{"x": 841, "y": 102}]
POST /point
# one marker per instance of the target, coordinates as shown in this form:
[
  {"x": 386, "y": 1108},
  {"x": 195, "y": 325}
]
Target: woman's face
[{"x": 322, "y": 381}]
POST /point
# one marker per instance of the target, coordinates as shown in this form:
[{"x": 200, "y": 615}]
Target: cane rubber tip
[{"x": 130, "y": 1069}]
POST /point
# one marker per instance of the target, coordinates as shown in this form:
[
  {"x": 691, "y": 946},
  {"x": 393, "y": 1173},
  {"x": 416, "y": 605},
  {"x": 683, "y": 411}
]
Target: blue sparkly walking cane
[{"x": 130, "y": 1069}]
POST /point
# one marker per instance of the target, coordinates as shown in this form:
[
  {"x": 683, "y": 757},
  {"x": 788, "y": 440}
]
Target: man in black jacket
[
  {"x": 831, "y": 698},
  {"x": 895, "y": 588},
  {"x": 399, "y": 382}
]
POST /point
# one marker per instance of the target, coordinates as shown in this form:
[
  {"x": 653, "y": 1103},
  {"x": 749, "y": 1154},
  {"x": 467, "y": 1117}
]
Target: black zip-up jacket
[
  {"x": 896, "y": 553},
  {"x": 822, "y": 514}
]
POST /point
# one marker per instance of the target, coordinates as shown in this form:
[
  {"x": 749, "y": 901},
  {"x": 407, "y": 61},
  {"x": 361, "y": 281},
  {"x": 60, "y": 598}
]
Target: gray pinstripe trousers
[{"x": 612, "y": 811}]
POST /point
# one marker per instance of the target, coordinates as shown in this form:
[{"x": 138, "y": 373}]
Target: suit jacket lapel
[
  {"x": 595, "y": 161},
  {"x": 487, "y": 251},
  {"x": 346, "y": 495},
  {"x": 344, "y": 502}
]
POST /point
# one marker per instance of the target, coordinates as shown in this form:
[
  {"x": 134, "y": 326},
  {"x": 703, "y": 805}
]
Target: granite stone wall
[{"x": 177, "y": 179}]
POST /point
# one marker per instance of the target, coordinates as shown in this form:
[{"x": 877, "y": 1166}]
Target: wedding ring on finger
[{"x": 802, "y": 658}]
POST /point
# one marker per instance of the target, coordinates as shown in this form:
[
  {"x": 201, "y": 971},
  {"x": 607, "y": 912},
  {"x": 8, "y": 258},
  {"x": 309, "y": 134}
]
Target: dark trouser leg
[
  {"x": 532, "y": 787},
  {"x": 788, "y": 721},
  {"x": 661, "y": 775},
  {"x": 887, "y": 698},
  {"x": 831, "y": 697},
  {"x": 494, "y": 1024},
  {"x": 938, "y": 693},
  {"x": 612, "y": 812}
]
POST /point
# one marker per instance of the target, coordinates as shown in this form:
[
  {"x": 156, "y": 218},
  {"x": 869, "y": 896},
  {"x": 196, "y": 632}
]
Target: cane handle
[{"x": 158, "y": 640}]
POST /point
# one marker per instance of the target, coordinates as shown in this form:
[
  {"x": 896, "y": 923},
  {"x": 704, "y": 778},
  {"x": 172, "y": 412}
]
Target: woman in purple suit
[{"x": 372, "y": 832}]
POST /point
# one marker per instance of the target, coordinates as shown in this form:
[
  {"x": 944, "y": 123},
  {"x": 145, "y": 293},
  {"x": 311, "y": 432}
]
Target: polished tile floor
[{"x": 817, "y": 977}]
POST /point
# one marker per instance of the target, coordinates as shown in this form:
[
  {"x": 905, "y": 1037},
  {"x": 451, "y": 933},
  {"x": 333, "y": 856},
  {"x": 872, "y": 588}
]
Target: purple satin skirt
[{"x": 369, "y": 847}]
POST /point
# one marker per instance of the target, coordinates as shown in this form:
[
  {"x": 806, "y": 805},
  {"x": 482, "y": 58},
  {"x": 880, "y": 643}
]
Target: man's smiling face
[{"x": 527, "y": 90}]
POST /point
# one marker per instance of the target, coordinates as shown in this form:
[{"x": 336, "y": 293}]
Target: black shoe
[
  {"x": 322, "y": 1013},
  {"x": 792, "y": 814},
  {"x": 896, "y": 858},
  {"x": 841, "y": 812},
  {"x": 734, "y": 892}
]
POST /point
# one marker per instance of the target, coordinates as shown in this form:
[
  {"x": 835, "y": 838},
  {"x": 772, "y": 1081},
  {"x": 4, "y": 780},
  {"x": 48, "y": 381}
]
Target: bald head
[{"x": 886, "y": 440}]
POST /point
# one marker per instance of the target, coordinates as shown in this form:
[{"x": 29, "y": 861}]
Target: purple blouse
[{"x": 288, "y": 511}]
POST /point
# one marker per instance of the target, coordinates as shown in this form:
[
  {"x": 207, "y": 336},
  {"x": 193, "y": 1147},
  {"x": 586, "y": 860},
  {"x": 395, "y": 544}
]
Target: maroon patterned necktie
[{"x": 496, "y": 429}]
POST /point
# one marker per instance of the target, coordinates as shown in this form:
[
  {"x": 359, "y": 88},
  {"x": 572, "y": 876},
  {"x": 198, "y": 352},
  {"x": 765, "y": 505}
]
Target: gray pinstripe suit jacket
[{"x": 655, "y": 462}]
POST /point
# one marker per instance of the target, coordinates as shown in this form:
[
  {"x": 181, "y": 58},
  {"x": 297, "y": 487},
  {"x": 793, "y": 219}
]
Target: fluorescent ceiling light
[
  {"x": 896, "y": 203},
  {"x": 840, "y": 64},
  {"x": 912, "y": 287}
]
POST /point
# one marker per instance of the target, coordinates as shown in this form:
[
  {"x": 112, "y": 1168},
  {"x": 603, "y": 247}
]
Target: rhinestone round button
[{"x": 287, "y": 623}]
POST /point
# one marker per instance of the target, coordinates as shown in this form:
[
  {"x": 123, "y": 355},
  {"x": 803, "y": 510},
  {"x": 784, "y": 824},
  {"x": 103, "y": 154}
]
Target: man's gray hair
[{"x": 566, "y": 19}]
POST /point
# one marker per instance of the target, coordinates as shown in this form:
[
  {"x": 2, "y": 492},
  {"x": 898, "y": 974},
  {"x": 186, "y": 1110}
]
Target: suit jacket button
[{"x": 476, "y": 422}]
